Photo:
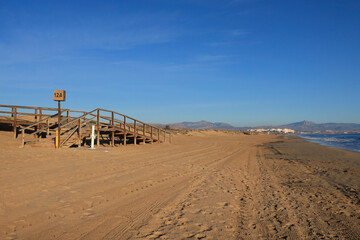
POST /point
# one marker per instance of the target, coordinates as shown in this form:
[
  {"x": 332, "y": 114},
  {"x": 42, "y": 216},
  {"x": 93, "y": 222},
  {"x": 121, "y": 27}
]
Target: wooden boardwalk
[{"x": 37, "y": 126}]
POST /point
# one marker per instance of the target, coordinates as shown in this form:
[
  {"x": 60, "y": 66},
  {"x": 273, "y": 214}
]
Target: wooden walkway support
[{"x": 39, "y": 124}]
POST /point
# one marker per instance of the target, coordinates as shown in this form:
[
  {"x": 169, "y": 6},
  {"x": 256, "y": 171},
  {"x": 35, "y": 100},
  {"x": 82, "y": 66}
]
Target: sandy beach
[{"x": 210, "y": 185}]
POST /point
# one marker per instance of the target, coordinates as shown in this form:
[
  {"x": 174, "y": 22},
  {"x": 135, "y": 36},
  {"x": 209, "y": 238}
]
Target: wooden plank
[
  {"x": 112, "y": 119},
  {"x": 47, "y": 128},
  {"x": 79, "y": 133},
  {"x": 36, "y": 127},
  {"x": 27, "y": 114},
  {"x": 7, "y": 112},
  {"x": 40, "y": 118},
  {"x": 15, "y": 126},
  {"x": 19, "y": 122},
  {"x": 59, "y": 124},
  {"x": 112, "y": 133},
  {"x": 112, "y": 139},
  {"x": 36, "y": 115},
  {"x": 22, "y": 138},
  {"x": 98, "y": 129},
  {"x": 28, "y": 107},
  {"x": 151, "y": 134},
  {"x": 135, "y": 132}
]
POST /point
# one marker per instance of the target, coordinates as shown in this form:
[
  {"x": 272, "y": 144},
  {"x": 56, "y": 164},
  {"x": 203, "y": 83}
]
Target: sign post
[{"x": 59, "y": 96}]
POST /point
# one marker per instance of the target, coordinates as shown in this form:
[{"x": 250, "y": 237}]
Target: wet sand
[{"x": 206, "y": 186}]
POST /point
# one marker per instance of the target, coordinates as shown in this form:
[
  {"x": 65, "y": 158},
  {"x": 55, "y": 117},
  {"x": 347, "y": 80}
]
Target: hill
[
  {"x": 198, "y": 125},
  {"x": 308, "y": 126},
  {"x": 303, "y": 126}
]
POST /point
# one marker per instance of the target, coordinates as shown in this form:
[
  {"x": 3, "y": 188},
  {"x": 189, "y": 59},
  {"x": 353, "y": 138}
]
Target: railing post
[
  {"x": 36, "y": 128},
  {"x": 79, "y": 132},
  {"x": 144, "y": 137},
  {"x": 112, "y": 132},
  {"x": 169, "y": 137},
  {"x": 135, "y": 132},
  {"x": 151, "y": 134},
  {"x": 98, "y": 129},
  {"x": 59, "y": 127},
  {"x": 22, "y": 138},
  {"x": 67, "y": 116},
  {"x": 14, "y": 125},
  {"x": 47, "y": 128},
  {"x": 112, "y": 138},
  {"x": 40, "y": 118},
  {"x": 124, "y": 130},
  {"x": 35, "y": 114},
  {"x": 164, "y": 136},
  {"x": 158, "y": 134}
]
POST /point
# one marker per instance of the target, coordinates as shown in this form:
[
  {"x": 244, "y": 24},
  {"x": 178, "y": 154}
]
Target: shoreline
[
  {"x": 300, "y": 149},
  {"x": 324, "y": 143}
]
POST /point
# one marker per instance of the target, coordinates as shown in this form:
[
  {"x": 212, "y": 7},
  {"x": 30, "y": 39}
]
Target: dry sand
[{"x": 215, "y": 186}]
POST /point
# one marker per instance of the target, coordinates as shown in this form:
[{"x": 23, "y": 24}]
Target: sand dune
[{"x": 204, "y": 186}]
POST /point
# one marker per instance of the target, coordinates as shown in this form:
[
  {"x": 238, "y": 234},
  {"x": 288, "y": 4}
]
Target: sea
[{"x": 344, "y": 141}]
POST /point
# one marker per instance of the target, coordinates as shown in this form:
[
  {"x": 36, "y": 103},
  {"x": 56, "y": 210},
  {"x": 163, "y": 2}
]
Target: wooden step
[{"x": 42, "y": 144}]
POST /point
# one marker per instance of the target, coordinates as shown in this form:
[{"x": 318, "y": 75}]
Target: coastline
[
  {"x": 333, "y": 160},
  {"x": 336, "y": 140}
]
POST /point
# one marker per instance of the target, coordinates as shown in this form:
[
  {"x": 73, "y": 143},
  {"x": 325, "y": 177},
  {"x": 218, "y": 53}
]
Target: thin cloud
[
  {"x": 210, "y": 58},
  {"x": 43, "y": 44},
  {"x": 239, "y": 32}
]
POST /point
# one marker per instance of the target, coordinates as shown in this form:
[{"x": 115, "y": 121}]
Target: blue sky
[{"x": 246, "y": 62}]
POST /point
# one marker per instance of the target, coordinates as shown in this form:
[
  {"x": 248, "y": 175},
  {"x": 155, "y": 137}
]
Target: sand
[{"x": 203, "y": 186}]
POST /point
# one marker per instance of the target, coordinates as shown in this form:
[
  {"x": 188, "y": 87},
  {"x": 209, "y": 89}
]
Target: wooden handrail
[
  {"x": 5, "y": 112},
  {"x": 105, "y": 110},
  {"x": 29, "y": 107},
  {"x": 37, "y": 123},
  {"x": 78, "y": 118}
]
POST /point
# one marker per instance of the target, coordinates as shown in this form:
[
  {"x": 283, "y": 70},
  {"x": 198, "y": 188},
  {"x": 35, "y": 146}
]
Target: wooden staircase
[{"x": 112, "y": 128}]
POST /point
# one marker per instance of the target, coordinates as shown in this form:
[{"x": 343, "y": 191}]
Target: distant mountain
[
  {"x": 198, "y": 125},
  {"x": 303, "y": 126},
  {"x": 304, "y": 123},
  {"x": 307, "y": 126}
]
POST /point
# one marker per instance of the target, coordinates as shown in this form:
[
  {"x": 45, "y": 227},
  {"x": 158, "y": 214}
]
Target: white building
[{"x": 274, "y": 130}]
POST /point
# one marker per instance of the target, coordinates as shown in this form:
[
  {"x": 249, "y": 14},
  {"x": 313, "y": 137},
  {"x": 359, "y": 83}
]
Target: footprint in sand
[
  {"x": 11, "y": 236},
  {"x": 222, "y": 204},
  {"x": 89, "y": 212}
]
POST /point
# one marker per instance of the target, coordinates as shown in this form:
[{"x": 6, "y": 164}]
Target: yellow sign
[{"x": 59, "y": 95}]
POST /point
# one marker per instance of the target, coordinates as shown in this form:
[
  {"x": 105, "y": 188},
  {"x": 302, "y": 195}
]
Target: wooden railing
[
  {"x": 137, "y": 127},
  {"x": 40, "y": 121},
  {"x": 19, "y": 116},
  {"x": 38, "y": 127},
  {"x": 76, "y": 124}
]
